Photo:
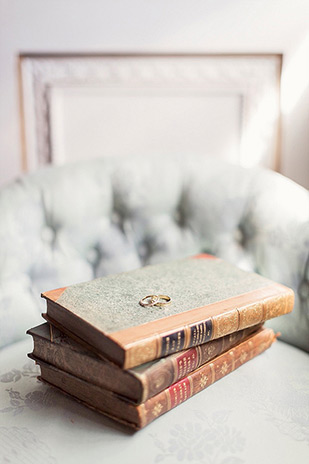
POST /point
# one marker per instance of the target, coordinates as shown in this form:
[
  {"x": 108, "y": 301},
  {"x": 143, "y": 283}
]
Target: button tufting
[
  {"x": 238, "y": 235},
  {"x": 304, "y": 290},
  {"x": 47, "y": 234},
  {"x": 92, "y": 255},
  {"x": 142, "y": 250},
  {"x": 115, "y": 217}
]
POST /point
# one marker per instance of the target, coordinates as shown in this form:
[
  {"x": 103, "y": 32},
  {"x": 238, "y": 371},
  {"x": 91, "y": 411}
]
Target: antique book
[
  {"x": 137, "y": 384},
  {"x": 137, "y": 416},
  {"x": 209, "y": 297}
]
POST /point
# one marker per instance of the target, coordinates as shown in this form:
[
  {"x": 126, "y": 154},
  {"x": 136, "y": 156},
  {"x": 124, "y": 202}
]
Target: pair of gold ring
[{"x": 155, "y": 300}]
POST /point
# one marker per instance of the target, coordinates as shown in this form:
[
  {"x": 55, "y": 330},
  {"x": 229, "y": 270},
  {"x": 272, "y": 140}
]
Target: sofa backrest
[{"x": 68, "y": 224}]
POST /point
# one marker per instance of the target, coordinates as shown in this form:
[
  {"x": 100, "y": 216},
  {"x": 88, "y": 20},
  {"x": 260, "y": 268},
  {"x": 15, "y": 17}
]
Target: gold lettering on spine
[
  {"x": 184, "y": 365},
  {"x": 167, "y": 345}
]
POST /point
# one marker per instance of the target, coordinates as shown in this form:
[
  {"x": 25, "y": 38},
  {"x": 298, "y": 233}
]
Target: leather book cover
[
  {"x": 137, "y": 384},
  {"x": 210, "y": 298},
  {"x": 138, "y": 416}
]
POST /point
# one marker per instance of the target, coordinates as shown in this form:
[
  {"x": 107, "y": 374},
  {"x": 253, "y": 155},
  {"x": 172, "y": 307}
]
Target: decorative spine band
[
  {"x": 174, "y": 367},
  {"x": 206, "y": 375}
]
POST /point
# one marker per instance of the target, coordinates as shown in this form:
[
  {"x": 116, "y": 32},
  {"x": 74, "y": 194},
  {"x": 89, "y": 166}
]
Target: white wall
[{"x": 160, "y": 25}]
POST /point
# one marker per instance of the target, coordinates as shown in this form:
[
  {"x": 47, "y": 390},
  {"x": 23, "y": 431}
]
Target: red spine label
[
  {"x": 179, "y": 392},
  {"x": 186, "y": 363}
]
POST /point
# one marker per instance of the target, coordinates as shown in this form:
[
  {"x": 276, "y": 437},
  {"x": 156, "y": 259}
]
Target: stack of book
[{"x": 137, "y": 344}]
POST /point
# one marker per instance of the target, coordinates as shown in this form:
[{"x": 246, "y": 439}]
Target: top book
[{"x": 209, "y": 298}]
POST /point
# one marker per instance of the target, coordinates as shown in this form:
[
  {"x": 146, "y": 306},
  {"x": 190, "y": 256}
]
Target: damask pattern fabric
[{"x": 256, "y": 414}]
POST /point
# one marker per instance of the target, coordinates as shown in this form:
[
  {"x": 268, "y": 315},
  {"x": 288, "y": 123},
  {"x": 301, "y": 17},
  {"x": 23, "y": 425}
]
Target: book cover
[
  {"x": 210, "y": 298},
  {"x": 137, "y": 384},
  {"x": 138, "y": 416}
]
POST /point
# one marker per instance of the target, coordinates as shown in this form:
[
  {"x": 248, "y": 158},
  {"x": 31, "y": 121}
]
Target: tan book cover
[
  {"x": 210, "y": 298},
  {"x": 137, "y": 384},
  {"x": 138, "y": 416}
]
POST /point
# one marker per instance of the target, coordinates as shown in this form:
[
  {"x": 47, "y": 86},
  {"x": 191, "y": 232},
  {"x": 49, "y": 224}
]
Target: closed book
[
  {"x": 136, "y": 384},
  {"x": 210, "y": 298},
  {"x": 137, "y": 416}
]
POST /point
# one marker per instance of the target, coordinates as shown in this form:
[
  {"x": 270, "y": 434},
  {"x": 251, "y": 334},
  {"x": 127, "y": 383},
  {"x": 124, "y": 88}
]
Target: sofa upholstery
[{"x": 72, "y": 223}]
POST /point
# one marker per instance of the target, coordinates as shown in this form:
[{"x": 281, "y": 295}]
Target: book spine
[
  {"x": 205, "y": 376},
  {"x": 169, "y": 370},
  {"x": 198, "y": 333}
]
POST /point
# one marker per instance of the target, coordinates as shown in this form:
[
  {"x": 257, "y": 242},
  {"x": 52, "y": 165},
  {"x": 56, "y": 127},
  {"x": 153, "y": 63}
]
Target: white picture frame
[{"x": 76, "y": 106}]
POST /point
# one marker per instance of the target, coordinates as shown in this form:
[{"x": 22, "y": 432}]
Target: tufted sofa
[{"x": 72, "y": 223}]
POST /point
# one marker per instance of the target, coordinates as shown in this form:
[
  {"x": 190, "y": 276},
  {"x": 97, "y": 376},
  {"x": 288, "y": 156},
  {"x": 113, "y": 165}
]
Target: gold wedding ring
[
  {"x": 149, "y": 300},
  {"x": 166, "y": 300},
  {"x": 155, "y": 300}
]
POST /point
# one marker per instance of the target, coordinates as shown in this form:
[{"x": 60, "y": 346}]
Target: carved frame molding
[{"x": 255, "y": 77}]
